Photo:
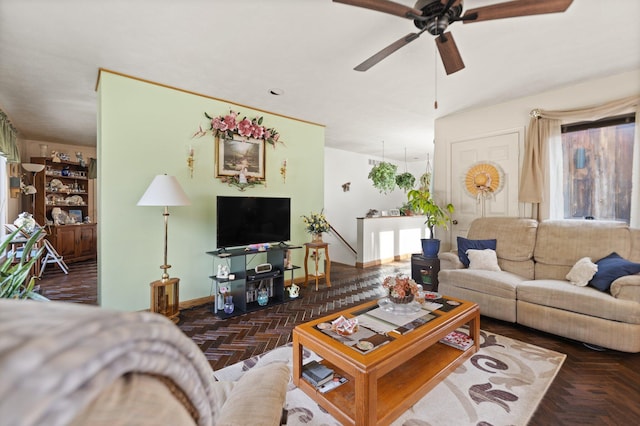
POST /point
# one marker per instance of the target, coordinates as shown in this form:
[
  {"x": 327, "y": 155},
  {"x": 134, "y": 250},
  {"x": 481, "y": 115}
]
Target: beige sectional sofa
[{"x": 531, "y": 288}]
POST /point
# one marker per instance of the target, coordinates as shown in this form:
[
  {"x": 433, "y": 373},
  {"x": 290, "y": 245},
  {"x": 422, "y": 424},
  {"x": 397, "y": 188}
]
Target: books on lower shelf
[
  {"x": 316, "y": 373},
  {"x": 333, "y": 383},
  {"x": 458, "y": 339}
]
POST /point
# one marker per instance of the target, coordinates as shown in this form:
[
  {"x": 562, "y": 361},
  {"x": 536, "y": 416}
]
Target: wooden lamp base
[{"x": 165, "y": 298}]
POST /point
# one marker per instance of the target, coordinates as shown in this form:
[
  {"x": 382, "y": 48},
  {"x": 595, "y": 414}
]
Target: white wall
[
  {"x": 514, "y": 114},
  {"x": 342, "y": 208}
]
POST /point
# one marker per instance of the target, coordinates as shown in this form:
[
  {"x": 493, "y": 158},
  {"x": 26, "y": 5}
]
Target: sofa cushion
[
  {"x": 560, "y": 243},
  {"x": 496, "y": 283},
  {"x": 582, "y": 272},
  {"x": 634, "y": 255},
  {"x": 515, "y": 241},
  {"x": 611, "y": 268},
  {"x": 465, "y": 244},
  {"x": 560, "y": 294},
  {"x": 257, "y": 398},
  {"x": 483, "y": 259}
]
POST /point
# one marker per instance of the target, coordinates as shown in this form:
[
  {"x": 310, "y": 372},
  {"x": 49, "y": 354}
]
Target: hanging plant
[
  {"x": 425, "y": 181},
  {"x": 383, "y": 176},
  {"x": 405, "y": 181}
]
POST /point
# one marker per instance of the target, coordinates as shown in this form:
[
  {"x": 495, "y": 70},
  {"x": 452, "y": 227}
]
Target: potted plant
[
  {"x": 421, "y": 201},
  {"x": 383, "y": 176},
  {"x": 315, "y": 224},
  {"x": 405, "y": 181},
  {"x": 15, "y": 282},
  {"x": 405, "y": 210}
]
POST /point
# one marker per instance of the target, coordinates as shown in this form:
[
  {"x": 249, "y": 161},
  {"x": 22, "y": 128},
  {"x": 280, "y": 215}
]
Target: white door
[{"x": 502, "y": 149}]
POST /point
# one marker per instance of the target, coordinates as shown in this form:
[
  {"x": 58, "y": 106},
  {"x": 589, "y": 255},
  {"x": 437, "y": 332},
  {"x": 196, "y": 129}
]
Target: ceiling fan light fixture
[{"x": 435, "y": 16}]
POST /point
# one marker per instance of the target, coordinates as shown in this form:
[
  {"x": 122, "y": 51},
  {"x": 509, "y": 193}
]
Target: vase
[
  {"x": 228, "y": 305},
  {"x": 263, "y": 297},
  {"x": 401, "y": 300},
  {"x": 316, "y": 238}
]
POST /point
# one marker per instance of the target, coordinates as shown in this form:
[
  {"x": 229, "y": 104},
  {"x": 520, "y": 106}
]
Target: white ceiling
[{"x": 50, "y": 53}]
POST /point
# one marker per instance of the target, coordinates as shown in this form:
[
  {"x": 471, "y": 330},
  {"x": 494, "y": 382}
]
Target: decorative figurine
[
  {"x": 223, "y": 271},
  {"x": 294, "y": 290}
]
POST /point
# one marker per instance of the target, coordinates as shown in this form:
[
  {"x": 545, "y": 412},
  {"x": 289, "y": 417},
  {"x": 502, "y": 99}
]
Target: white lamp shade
[
  {"x": 164, "y": 191},
  {"x": 32, "y": 167}
]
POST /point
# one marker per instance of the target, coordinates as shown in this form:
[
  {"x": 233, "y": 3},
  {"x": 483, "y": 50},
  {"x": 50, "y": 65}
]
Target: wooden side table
[
  {"x": 315, "y": 247},
  {"x": 165, "y": 298}
]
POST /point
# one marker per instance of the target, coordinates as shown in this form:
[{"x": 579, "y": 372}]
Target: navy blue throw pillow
[
  {"x": 611, "y": 268},
  {"x": 465, "y": 244}
]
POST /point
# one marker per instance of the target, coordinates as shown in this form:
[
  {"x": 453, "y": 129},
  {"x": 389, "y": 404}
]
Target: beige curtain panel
[{"x": 544, "y": 128}]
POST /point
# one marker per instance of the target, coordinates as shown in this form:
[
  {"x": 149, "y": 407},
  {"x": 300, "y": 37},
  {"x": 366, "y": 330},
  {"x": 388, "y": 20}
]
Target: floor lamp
[
  {"x": 165, "y": 191},
  {"x": 30, "y": 189}
]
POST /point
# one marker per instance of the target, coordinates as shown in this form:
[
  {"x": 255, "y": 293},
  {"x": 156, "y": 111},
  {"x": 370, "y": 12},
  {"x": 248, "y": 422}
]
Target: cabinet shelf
[
  {"x": 63, "y": 177},
  {"x": 53, "y": 184},
  {"x": 246, "y": 281}
]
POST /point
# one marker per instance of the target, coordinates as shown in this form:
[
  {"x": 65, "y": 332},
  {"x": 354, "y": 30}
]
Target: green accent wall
[{"x": 146, "y": 129}]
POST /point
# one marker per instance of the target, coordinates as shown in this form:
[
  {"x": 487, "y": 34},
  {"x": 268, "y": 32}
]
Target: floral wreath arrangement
[
  {"x": 229, "y": 125},
  {"x": 401, "y": 288},
  {"x": 316, "y": 223}
]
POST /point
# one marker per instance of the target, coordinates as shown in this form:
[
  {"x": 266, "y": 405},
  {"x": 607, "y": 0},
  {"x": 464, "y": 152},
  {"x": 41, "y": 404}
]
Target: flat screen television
[{"x": 252, "y": 220}]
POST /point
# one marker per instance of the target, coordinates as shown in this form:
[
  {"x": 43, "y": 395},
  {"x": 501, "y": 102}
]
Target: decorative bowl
[
  {"x": 344, "y": 326},
  {"x": 402, "y": 300}
]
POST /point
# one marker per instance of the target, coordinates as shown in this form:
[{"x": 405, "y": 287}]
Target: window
[{"x": 597, "y": 168}]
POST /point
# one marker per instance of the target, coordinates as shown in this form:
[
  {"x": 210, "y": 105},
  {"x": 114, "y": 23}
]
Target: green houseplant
[
  {"x": 405, "y": 181},
  {"x": 383, "y": 176},
  {"x": 421, "y": 202},
  {"x": 15, "y": 282}
]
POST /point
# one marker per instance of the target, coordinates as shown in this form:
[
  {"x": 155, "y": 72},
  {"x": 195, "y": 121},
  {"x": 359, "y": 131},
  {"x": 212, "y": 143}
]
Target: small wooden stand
[
  {"x": 315, "y": 247},
  {"x": 165, "y": 298}
]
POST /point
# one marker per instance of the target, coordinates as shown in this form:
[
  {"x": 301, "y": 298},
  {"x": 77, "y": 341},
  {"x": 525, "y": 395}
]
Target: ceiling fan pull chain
[{"x": 405, "y": 159}]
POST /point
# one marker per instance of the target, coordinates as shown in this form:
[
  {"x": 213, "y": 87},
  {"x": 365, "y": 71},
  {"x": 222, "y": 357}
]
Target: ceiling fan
[{"x": 435, "y": 16}]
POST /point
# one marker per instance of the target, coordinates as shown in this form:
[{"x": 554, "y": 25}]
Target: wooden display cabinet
[{"x": 64, "y": 185}]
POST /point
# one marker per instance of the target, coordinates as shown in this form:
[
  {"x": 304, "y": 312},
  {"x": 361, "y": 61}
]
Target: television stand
[{"x": 246, "y": 281}]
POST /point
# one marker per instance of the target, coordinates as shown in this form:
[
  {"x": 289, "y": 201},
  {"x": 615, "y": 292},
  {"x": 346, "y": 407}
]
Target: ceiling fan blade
[
  {"x": 449, "y": 53},
  {"x": 385, "y": 6},
  {"x": 515, "y": 8},
  {"x": 387, "y": 51}
]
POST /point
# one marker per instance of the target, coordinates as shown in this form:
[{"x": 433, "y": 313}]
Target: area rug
[{"x": 502, "y": 384}]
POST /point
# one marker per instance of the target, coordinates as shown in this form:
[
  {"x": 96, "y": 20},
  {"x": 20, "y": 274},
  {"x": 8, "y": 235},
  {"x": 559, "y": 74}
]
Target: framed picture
[
  {"x": 76, "y": 215},
  {"x": 240, "y": 157}
]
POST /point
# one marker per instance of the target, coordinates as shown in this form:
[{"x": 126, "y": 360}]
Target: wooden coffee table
[{"x": 388, "y": 380}]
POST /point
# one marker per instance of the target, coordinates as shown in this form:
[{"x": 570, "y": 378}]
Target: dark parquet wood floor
[{"x": 592, "y": 388}]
